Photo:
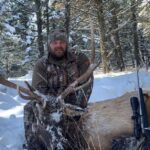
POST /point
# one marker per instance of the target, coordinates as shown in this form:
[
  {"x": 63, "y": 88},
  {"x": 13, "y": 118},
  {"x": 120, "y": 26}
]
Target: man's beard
[{"x": 57, "y": 57}]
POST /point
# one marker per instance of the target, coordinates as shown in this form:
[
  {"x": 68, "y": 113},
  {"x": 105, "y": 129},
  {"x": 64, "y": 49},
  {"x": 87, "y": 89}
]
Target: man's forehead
[{"x": 58, "y": 41}]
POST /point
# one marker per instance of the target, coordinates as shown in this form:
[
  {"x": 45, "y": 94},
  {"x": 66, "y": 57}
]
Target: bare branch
[{"x": 119, "y": 28}]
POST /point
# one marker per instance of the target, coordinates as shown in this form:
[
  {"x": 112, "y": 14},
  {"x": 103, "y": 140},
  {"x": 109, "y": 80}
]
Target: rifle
[
  {"x": 144, "y": 118},
  {"x": 140, "y": 117},
  {"x": 136, "y": 117}
]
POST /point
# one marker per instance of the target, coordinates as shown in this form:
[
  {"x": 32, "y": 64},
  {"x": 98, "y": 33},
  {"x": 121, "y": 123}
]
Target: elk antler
[
  {"x": 31, "y": 95},
  {"x": 10, "y": 84},
  {"x": 72, "y": 87}
]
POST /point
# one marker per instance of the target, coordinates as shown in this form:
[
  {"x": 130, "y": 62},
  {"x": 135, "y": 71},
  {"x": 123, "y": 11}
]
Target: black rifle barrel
[
  {"x": 143, "y": 109},
  {"x": 136, "y": 117}
]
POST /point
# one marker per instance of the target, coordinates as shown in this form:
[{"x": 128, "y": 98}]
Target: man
[{"x": 52, "y": 75}]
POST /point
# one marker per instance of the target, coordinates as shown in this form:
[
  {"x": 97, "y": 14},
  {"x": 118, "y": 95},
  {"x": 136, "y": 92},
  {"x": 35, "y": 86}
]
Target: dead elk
[
  {"x": 103, "y": 122},
  {"x": 108, "y": 120}
]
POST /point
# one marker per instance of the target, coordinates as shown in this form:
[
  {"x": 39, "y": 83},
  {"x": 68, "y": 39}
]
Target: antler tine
[
  {"x": 27, "y": 97},
  {"x": 29, "y": 86},
  {"x": 72, "y": 110},
  {"x": 30, "y": 96},
  {"x": 83, "y": 85},
  {"x": 10, "y": 84},
  {"x": 31, "y": 90},
  {"x": 81, "y": 79}
]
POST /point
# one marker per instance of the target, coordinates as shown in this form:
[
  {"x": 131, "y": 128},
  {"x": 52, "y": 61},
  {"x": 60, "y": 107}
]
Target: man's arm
[{"x": 39, "y": 78}]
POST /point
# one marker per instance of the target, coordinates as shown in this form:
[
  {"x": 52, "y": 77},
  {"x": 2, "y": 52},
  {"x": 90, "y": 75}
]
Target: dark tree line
[{"x": 114, "y": 31}]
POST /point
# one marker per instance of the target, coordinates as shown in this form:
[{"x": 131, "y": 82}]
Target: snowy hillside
[{"x": 11, "y": 105}]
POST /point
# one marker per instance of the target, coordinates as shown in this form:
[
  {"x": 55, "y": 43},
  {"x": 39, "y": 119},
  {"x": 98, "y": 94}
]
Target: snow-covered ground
[{"x": 11, "y": 105}]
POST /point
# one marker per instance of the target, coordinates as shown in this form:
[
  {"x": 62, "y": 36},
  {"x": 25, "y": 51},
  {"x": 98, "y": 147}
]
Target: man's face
[{"x": 58, "y": 48}]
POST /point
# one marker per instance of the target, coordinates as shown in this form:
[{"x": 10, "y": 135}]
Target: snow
[
  {"x": 106, "y": 86},
  {"x": 9, "y": 27},
  {"x": 55, "y": 15},
  {"x": 11, "y": 123},
  {"x": 85, "y": 38},
  {"x": 20, "y": 26},
  {"x": 70, "y": 39},
  {"x": 62, "y": 13},
  {"x": 16, "y": 16},
  {"x": 28, "y": 49},
  {"x": 51, "y": 2},
  {"x": 116, "y": 84},
  {"x": 8, "y": 33},
  {"x": 27, "y": 59},
  {"x": 56, "y": 116},
  {"x": 28, "y": 41}
]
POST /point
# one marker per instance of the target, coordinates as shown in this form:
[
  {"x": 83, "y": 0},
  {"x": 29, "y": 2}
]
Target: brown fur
[{"x": 108, "y": 120}]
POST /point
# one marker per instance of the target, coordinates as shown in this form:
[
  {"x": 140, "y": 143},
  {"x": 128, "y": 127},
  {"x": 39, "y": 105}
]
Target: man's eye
[
  {"x": 62, "y": 42},
  {"x": 55, "y": 43}
]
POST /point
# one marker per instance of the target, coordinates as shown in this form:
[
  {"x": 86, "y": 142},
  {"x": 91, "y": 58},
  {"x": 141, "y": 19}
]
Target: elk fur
[
  {"x": 110, "y": 119},
  {"x": 104, "y": 120}
]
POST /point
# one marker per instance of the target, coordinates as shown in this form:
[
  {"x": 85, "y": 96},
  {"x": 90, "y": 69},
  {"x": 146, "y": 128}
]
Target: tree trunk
[
  {"x": 67, "y": 18},
  {"x": 103, "y": 40},
  {"x": 116, "y": 39},
  {"x": 47, "y": 22},
  {"x": 24, "y": 21},
  {"x": 39, "y": 26},
  {"x": 92, "y": 40},
  {"x": 134, "y": 32}
]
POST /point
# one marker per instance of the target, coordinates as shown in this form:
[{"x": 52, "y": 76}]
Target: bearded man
[{"x": 51, "y": 76}]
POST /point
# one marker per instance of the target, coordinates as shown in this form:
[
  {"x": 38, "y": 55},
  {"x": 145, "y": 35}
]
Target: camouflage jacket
[{"x": 51, "y": 76}]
